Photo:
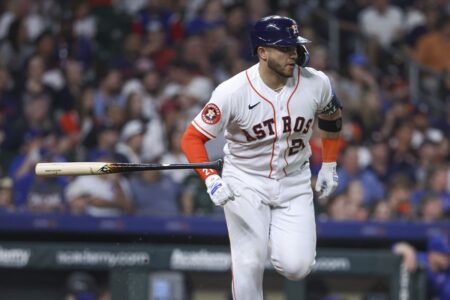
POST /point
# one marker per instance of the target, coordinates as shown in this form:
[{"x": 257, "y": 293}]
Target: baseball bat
[{"x": 101, "y": 168}]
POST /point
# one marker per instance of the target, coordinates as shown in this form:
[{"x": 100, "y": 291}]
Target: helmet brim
[{"x": 297, "y": 41}]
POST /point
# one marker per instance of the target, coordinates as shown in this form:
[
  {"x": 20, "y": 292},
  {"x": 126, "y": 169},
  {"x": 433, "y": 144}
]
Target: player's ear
[{"x": 262, "y": 53}]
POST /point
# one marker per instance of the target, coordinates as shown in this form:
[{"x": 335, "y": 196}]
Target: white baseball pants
[{"x": 270, "y": 218}]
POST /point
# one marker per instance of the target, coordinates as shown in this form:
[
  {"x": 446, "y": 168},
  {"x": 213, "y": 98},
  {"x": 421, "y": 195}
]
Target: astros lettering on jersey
[{"x": 269, "y": 130}]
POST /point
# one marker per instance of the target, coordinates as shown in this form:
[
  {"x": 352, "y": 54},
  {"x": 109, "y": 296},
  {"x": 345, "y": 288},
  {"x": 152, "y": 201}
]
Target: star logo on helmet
[{"x": 294, "y": 28}]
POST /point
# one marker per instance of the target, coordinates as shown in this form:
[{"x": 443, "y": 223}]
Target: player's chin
[{"x": 289, "y": 70}]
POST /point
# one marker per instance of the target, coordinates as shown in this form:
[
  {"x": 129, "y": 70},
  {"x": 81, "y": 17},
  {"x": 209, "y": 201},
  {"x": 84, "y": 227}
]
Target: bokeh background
[{"x": 111, "y": 80}]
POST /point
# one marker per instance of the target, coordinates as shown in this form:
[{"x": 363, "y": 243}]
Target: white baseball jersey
[{"x": 267, "y": 132}]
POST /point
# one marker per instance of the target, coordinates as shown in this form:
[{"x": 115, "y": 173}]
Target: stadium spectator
[
  {"x": 155, "y": 11},
  {"x": 155, "y": 48},
  {"x": 69, "y": 95},
  {"x": 35, "y": 81},
  {"x": 193, "y": 95},
  {"x": 153, "y": 140},
  {"x": 126, "y": 61},
  {"x": 256, "y": 10},
  {"x": 436, "y": 185},
  {"x": 355, "y": 198},
  {"x": 338, "y": 209},
  {"x": 414, "y": 15},
  {"x": 115, "y": 114},
  {"x": 431, "y": 209},
  {"x": 84, "y": 117},
  {"x": 427, "y": 154},
  {"x": 423, "y": 127},
  {"x": 81, "y": 285},
  {"x": 377, "y": 169},
  {"x": 71, "y": 45},
  {"x": 344, "y": 206},
  {"x": 432, "y": 48},
  {"x": 443, "y": 151},
  {"x": 84, "y": 23},
  {"x": 175, "y": 155},
  {"x": 131, "y": 7},
  {"x": 108, "y": 93},
  {"x": 442, "y": 122},
  {"x": 6, "y": 195},
  {"x": 107, "y": 138},
  {"x": 382, "y": 24},
  {"x": 10, "y": 111},
  {"x": 178, "y": 74},
  {"x": 350, "y": 169},
  {"x": 319, "y": 60},
  {"x": 100, "y": 196},
  {"x": 15, "y": 49},
  {"x": 195, "y": 53},
  {"x": 130, "y": 141},
  {"x": 36, "y": 116},
  {"x": 134, "y": 105},
  {"x": 399, "y": 199},
  {"x": 381, "y": 211},
  {"x": 155, "y": 193},
  {"x": 35, "y": 15},
  {"x": 432, "y": 16},
  {"x": 152, "y": 83},
  {"x": 30, "y": 191},
  {"x": 347, "y": 14},
  {"x": 45, "y": 48},
  {"x": 402, "y": 159},
  {"x": 46, "y": 195},
  {"x": 208, "y": 15},
  {"x": 171, "y": 115},
  {"x": 238, "y": 27},
  {"x": 195, "y": 200},
  {"x": 359, "y": 82},
  {"x": 435, "y": 261}
]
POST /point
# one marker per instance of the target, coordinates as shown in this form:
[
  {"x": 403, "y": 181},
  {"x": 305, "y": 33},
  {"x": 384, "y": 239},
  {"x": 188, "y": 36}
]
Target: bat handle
[{"x": 218, "y": 165}]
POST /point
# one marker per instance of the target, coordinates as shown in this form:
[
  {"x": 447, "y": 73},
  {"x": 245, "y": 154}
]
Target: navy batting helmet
[{"x": 280, "y": 32}]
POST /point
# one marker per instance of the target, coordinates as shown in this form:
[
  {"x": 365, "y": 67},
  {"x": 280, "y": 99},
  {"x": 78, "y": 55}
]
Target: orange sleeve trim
[
  {"x": 193, "y": 145},
  {"x": 330, "y": 149}
]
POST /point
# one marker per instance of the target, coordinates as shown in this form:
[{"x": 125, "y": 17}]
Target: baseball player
[{"x": 267, "y": 114}]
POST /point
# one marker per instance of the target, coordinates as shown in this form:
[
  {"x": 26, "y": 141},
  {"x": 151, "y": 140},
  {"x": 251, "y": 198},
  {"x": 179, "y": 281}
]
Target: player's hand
[
  {"x": 327, "y": 180},
  {"x": 218, "y": 190},
  {"x": 409, "y": 255}
]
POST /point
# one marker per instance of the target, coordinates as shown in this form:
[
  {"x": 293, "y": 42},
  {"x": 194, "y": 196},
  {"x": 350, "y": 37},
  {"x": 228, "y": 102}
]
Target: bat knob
[{"x": 219, "y": 164}]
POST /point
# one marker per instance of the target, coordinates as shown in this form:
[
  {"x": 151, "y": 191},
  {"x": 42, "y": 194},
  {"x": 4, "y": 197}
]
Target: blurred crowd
[{"x": 107, "y": 80}]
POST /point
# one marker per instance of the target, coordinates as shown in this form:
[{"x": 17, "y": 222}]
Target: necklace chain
[{"x": 279, "y": 88}]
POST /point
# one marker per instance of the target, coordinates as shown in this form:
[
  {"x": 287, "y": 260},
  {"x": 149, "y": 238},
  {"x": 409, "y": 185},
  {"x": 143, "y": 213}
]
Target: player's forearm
[
  {"x": 193, "y": 145},
  {"x": 330, "y": 132}
]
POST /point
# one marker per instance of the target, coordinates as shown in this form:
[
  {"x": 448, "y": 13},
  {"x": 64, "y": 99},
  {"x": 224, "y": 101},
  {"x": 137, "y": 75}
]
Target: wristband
[{"x": 330, "y": 149}]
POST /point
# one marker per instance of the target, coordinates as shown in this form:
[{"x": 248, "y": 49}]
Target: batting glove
[
  {"x": 327, "y": 180},
  {"x": 218, "y": 190}
]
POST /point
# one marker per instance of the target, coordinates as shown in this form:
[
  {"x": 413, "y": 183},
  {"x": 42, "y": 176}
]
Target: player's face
[{"x": 282, "y": 60}]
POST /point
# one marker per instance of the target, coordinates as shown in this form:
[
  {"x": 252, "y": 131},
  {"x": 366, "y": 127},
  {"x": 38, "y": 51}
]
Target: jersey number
[
  {"x": 297, "y": 145},
  {"x": 207, "y": 172}
]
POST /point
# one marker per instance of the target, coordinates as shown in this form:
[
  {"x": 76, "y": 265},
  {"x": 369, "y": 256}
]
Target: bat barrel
[{"x": 69, "y": 168}]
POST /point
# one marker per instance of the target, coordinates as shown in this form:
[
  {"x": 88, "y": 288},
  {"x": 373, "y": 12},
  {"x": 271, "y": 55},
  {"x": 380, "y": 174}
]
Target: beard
[{"x": 279, "y": 69}]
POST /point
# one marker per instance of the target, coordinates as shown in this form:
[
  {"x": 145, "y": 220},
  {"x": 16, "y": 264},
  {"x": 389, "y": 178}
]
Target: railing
[{"x": 204, "y": 226}]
